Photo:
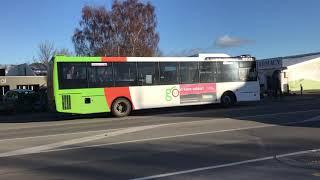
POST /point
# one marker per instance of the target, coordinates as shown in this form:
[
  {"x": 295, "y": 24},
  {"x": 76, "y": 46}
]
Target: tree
[
  {"x": 128, "y": 29},
  {"x": 47, "y": 50},
  {"x": 63, "y": 51}
]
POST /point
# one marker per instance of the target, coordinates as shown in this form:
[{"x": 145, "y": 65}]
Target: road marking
[
  {"x": 63, "y": 123},
  {"x": 258, "y": 115},
  {"x": 250, "y": 116},
  {"x": 225, "y": 165},
  {"x": 176, "y": 123},
  {"x": 166, "y": 124},
  {"x": 62, "y": 134},
  {"x": 101, "y": 120},
  {"x": 280, "y": 113},
  {"x": 38, "y": 149},
  {"x": 314, "y": 119},
  {"x": 51, "y": 147},
  {"x": 161, "y": 138},
  {"x": 316, "y": 174}
]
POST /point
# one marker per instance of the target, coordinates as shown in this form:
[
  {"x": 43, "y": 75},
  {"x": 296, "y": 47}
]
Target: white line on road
[
  {"x": 51, "y": 147},
  {"x": 226, "y": 165},
  {"x": 38, "y": 149},
  {"x": 258, "y": 115},
  {"x": 280, "y": 113},
  {"x": 241, "y": 117},
  {"x": 163, "y": 137},
  {"x": 177, "y": 123},
  {"x": 101, "y": 120},
  {"x": 61, "y": 134},
  {"x": 61, "y": 123},
  {"x": 314, "y": 119}
]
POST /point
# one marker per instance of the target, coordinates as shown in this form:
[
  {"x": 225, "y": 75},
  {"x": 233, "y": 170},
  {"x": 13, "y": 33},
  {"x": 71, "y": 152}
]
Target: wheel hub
[
  {"x": 227, "y": 100},
  {"x": 121, "y": 107}
]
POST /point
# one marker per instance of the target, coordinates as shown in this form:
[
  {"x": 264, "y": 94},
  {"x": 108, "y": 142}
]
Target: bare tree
[
  {"x": 63, "y": 51},
  {"x": 128, "y": 29},
  {"x": 45, "y": 52}
]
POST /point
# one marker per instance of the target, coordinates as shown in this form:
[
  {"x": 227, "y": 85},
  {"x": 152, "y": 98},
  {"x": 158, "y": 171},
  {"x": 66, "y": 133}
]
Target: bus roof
[{"x": 201, "y": 57}]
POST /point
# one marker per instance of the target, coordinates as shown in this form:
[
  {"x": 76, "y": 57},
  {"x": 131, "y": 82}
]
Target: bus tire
[
  {"x": 228, "y": 99},
  {"x": 121, "y": 107}
]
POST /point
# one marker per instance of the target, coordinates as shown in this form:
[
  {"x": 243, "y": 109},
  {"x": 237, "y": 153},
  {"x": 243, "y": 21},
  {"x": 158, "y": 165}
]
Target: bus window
[
  {"x": 189, "y": 72},
  {"x": 147, "y": 73},
  {"x": 247, "y": 71},
  {"x": 168, "y": 73},
  {"x": 208, "y": 72},
  {"x": 100, "y": 75},
  {"x": 229, "y": 71},
  {"x": 72, "y": 75},
  {"x": 125, "y": 74}
]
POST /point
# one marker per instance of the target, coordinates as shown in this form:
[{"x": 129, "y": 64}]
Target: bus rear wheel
[
  {"x": 228, "y": 99},
  {"x": 121, "y": 107}
]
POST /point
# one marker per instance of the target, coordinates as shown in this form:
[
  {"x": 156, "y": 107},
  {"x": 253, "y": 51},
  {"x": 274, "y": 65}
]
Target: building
[
  {"x": 22, "y": 76},
  {"x": 291, "y": 73},
  {"x": 19, "y": 70},
  {"x": 2, "y": 71},
  {"x": 39, "y": 69}
]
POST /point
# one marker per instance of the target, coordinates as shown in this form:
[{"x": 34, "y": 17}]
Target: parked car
[
  {"x": 20, "y": 100},
  {"x": 41, "y": 103},
  {"x": 2, "y": 107}
]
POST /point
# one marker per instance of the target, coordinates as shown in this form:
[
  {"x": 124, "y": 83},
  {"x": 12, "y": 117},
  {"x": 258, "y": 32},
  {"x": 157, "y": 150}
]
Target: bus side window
[
  {"x": 147, "y": 73},
  {"x": 125, "y": 74},
  {"x": 100, "y": 76},
  {"x": 189, "y": 72},
  {"x": 72, "y": 75},
  {"x": 247, "y": 71},
  {"x": 229, "y": 71},
  {"x": 168, "y": 73},
  {"x": 208, "y": 72}
]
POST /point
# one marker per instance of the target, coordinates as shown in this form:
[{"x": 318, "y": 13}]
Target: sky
[{"x": 262, "y": 28}]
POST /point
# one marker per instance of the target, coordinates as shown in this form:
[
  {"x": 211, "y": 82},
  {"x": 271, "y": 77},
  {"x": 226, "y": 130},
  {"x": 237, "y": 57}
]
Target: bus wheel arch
[
  {"x": 228, "y": 99},
  {"x": 121, "y": 107}
]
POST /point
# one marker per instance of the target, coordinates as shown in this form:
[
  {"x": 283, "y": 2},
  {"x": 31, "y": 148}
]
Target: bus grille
[{"x": 66, "y": 102}]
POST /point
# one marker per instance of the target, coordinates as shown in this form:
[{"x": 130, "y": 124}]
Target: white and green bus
[{"x": 119, "y": 85}]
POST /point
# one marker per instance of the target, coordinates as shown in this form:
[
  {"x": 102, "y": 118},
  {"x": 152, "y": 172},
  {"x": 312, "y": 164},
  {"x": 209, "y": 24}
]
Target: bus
[{"x": 85, "y": 85}]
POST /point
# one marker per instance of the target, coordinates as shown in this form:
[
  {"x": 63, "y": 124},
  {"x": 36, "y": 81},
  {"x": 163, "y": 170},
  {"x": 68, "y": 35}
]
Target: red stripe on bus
[
  {"x": 113, "y": 93},
  {"x": 113, "y": 59}
]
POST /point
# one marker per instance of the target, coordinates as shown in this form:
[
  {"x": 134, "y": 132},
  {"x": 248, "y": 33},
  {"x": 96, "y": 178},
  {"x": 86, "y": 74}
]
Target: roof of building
[
  {"x": 38, "y": 66},
  {"x": 39, "y": 69},
  {"x": 286, "y": 61},
  {"x": 20, "y": 70},
  {"x": 292, "y": 60},
  {"x": 295, "y": 56}
]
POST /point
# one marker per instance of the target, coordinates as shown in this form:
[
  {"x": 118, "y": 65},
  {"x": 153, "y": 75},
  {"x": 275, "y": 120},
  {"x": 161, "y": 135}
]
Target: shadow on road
[
  {"x": 132, "y": 160},
  {"x": 54, "y": 116},
  {"x": 271, "y": 111},
  {"x": 143, "y": 159}
]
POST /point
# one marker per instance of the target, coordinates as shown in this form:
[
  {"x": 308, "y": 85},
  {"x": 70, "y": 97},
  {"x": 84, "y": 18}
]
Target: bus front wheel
[
  {"x": 228, "y": 99},
  {"x": 121, "y": 107}
]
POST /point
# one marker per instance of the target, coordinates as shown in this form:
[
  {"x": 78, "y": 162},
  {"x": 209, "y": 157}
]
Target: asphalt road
[{"x": 271, "y": 139}]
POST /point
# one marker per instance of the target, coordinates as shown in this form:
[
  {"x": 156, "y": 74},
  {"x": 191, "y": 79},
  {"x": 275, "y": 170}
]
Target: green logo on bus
[{"x": 171, "y": 93}]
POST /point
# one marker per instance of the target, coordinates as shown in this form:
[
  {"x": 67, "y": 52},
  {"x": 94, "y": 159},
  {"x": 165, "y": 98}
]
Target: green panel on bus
[
  {"x": 82, "y": 101},
  {"x": 79, "y": 101}
]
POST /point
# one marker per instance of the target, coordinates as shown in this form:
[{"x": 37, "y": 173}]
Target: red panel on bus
[
  {"x": 113, "y": 59},
  {"x": 112, "y": 93}
]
